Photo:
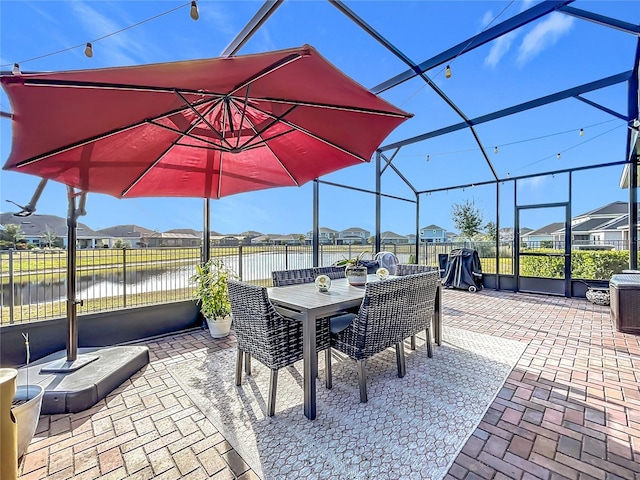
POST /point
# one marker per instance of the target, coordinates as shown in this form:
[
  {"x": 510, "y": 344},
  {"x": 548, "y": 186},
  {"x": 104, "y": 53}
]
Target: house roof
[
  {"x": 389, "y": 234},
  {"x": 127, "y": 231},
  {"x": 612, "y": 209},
  {"x": 593, "y": 224},
  {"x": 190, "y": 231},
  {"x": 432, "y": 227},
  {"x": 354, "y": 229},
  {"x": 546, "y": 230},
  {"x": 35, "y": 225}
]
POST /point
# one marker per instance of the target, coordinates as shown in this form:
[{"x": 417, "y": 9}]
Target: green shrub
[{"x": 585, "y": 264}]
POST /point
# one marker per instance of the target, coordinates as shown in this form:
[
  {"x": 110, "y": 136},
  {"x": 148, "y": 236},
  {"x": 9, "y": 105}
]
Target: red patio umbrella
[{"x": 198, "y": 128}]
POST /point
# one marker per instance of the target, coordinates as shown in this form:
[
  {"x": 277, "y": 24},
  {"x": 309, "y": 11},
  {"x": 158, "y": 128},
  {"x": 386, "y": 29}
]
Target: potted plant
[
  {"x": 355, "y": 272},
  {"x": 212, "y": 296}
]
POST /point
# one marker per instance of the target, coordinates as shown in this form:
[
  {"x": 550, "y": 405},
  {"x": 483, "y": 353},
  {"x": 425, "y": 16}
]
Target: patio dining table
[{"x": 306, "y": 303}]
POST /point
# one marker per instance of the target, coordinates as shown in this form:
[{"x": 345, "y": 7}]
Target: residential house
[
  {"x": 433, "y": 234},
  {"x": 353, "y": 236},
  {"x": 391, "y": 238},
  {"x": 35, "y": 227},
  {"x": 327, "y": 236},
  {"x": 173, "y": 239},
  {"x": 276, "y": 239},
  {"x": 548, "y": 236},
  {"x": 130, "y": 235}
]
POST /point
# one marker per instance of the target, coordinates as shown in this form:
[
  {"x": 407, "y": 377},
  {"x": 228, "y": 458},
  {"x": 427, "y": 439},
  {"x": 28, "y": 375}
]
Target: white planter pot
[
  {"x": 219, "y": 327},
  {"x": 27, "y": 413}
]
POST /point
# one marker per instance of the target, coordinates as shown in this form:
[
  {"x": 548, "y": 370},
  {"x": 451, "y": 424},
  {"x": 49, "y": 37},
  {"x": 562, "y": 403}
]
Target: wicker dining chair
[
  {"x": 267, "y": 336},
  {"x": 410, "y": 269},
  {"x": 391, "y": 311},
  {"x": 282, "y": 278},
  {"x": 332, "y": 272}
]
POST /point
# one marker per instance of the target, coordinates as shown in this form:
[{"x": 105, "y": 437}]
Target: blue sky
[{"x": 551, "y": 54}]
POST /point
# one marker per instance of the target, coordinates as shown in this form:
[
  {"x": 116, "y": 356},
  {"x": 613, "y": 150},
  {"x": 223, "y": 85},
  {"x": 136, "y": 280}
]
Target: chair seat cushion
[{"x": 341, "y": 322}]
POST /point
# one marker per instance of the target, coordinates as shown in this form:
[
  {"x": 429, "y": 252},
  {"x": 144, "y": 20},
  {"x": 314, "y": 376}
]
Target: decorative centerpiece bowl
[
  {"x": 382, "y": 273},
  {"x": 323, "y": 283}
]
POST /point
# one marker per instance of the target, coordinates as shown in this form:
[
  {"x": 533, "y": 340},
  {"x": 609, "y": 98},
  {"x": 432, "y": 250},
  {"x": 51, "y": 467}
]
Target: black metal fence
[{"x": 34, "y": 281}]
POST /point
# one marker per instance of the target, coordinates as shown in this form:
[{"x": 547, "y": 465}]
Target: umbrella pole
[
  {"x": 73, "y": 361},
  {"x": 206, "y": 237}
]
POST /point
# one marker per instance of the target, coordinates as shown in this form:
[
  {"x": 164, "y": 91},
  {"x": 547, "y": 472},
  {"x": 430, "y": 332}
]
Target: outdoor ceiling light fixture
[
  {"x": 88, "y": 50},
  {"x": 447, "y": 72},
  {"x": 194, "y": 10},
  {"x": 16, "y": 69}
]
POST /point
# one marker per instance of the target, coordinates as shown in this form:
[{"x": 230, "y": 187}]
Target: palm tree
[
  {"x": 11, "y": 233},
  {"x": 49, "y": 238}
]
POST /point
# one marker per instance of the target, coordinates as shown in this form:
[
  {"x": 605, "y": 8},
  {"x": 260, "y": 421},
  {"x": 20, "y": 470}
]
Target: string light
[
  {"x": 88, "y": 50},
  {"x": 428, "y": 158},
  {"x": 194, "y": 10},
  {"x": 447, "y": 72},
  {"x": 558, "y": 156},
  {"x": 582, "y": 132},
  {"x": 16, "y": 69},
  {"x": 107, "y": 35},
  {"x": 495, "y": 149}
]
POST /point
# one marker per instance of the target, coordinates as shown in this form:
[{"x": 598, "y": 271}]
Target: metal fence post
[
  {"x": 124, "y": 276},
  {"x": 12, "y": 287},
  {"x": 240, "y": 261},
  {"x": 286, "y": 257}
]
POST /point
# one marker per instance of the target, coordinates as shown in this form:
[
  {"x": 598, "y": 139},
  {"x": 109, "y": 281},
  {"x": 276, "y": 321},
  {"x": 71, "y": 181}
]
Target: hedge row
[{"x": 586, "y": 264}]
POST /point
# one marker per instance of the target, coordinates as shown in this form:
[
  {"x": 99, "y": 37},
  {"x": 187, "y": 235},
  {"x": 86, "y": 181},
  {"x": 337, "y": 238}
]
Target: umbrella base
[
  {"x": 64, "y": 366},
  {"x": 77, "y": 390}
]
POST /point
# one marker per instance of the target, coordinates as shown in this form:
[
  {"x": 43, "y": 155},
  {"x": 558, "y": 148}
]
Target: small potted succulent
[{"x": 212, "y": 295}]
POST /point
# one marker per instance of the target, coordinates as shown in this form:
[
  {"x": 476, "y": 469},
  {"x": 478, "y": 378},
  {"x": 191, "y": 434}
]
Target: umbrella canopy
[{"x": 199, "y": 128}]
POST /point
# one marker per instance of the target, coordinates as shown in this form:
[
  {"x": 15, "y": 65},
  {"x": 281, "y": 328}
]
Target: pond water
[{"x": 254, "y": 267}]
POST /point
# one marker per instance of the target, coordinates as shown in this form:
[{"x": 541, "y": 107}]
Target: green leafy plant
[
  {"x": 350, "y": 261},
  {"x": 211, "y": 291}
]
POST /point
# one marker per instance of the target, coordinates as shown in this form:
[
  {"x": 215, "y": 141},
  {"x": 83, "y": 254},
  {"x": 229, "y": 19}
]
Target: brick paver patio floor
[{"x": 570, "y": 408}]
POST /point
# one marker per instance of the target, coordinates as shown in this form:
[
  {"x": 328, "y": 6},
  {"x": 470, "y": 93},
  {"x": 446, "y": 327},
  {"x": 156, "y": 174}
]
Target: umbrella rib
[
  {"x": 283, "y": 62},
  {"x": 346, "y": 108},
  {"x": 160, "y": 157},
  {"x": 266, "y": 145},
  {"x": 202, "y": 118},
  {"x": 312, "y": 135},
  {"x": 190, "y": 135},
  {"x": 257, "y": 132},
  {"x": 244, "y": 113},
  {"x": 101, "y": 136}
]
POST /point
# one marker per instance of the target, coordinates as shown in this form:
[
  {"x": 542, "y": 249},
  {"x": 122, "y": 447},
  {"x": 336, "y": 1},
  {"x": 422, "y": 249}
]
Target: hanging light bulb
[
  {"x": 582, "y": 132},
  {"x": 88, "y": 50},
  {"x": 194, "y": 10},
  {"x": 558, "y": 156},
  {"x": 428, "y": 158},
  {"x": 447, "y": 72},
  {"x": 495, "y": 149},
  {"x": 16, "y": 69}
]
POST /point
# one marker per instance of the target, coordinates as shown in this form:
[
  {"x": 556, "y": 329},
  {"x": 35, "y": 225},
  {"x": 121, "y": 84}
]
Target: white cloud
[
  {"x": 533, "y": 183},
  {"x": 487, "y": 18},
  {"x": 115, "y": 48},
  {"x": 545, "y": 34},
  {"x": 499, "y": 48}
]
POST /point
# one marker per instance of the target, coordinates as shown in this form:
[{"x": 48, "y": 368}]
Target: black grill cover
[{"x": 463, "y": 270}]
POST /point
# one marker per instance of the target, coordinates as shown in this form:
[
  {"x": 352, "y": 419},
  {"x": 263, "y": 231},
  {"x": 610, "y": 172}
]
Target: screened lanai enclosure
[{"x": 526, "y": 110}]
